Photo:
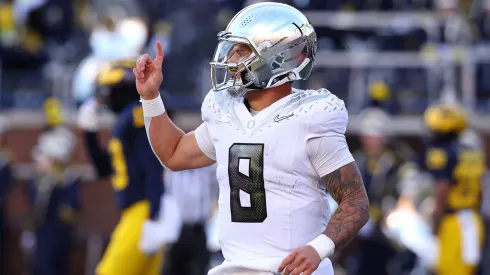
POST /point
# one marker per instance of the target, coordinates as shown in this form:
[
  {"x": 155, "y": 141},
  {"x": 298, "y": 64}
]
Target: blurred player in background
[
  {"x": 451, "y": 242},
  {"x": 112, "y": 38},
  {"x": 54, "y": 196},
  {"x": 378, "y": 164},
  {"x": 458, "y": 171},
  {"x": 137, "y": 176},
  {"x": 193, "y": 190},
  {"x": 5, "y": 182},
  {"x": 279, "y": 150}
]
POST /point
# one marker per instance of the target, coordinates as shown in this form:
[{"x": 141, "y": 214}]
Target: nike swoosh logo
[{"x": 278, "y": 118}]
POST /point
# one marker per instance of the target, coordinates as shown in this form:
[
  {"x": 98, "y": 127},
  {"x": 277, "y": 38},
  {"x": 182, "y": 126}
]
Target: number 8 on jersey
[{"x": 246, "y": 173}]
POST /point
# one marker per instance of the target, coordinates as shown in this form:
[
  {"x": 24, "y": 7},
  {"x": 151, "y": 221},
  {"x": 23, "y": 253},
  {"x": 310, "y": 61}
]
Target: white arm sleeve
[
  {"x": 328, "y": 153},
  {"x": 326, "y": 145},
  {"x": 204, "y": 141}
]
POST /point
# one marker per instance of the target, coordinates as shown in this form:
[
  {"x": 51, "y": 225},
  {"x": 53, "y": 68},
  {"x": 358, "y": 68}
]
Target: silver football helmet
[{"x": 263, "y": 46}]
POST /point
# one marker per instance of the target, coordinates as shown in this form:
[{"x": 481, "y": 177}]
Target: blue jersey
[
  {"x": 54, "y": 203},
  {"x": 136, "y": 173},
  {"x": 378, "y": 173},
  {"x": 462, "y": 167}
]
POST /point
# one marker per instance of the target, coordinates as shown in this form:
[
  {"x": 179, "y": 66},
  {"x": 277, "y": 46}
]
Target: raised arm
[{"x": 175, "y": 149}]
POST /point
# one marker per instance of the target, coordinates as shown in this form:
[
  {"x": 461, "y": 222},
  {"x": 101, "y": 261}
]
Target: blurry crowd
[
  {"x": 413, "y": 226},
  {"x": 45, "y": 43},
  {"x": 51, "y": 52}
]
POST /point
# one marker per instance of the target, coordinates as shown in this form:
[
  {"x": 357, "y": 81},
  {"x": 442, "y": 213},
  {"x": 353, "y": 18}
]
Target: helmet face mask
[
  {"x": 265, "y": 45},
  {"x": 231, "y": 65}
]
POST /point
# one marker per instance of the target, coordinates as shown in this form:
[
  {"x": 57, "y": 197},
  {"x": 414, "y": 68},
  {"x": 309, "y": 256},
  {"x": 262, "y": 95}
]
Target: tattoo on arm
[{"x": 347, "y": 188}]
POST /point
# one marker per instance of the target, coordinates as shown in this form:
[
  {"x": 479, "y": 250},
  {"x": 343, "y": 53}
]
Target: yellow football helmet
[
  {"x": 115, "y": 84},
  {"x": 379, "y": 91},
  {"x": 445, "y": 118}
]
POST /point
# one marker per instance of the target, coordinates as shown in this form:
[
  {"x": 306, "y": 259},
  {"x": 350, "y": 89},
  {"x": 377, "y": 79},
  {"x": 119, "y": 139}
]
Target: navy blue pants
[
  {"x": 375, "y": 254},
  {"x": 189, "y": 255},
  {"x": 52, "y": 251},
  {"x": 484, "y": 267}
]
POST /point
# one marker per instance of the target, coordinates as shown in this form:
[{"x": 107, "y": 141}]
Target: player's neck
[{"x": 261, "y": 99}]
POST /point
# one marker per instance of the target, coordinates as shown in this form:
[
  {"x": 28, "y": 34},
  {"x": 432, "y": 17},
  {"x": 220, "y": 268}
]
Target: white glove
[
  {"x": 166, "y": 230},
  {"x": 410, "y": 230},
  {"x": 149, "y": 242},
  {"x": 88, "y": 116}
]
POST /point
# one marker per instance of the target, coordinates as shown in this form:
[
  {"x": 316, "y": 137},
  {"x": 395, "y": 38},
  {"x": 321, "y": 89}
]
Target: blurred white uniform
[
  {"x": 193, "y": 192},
  {"x": 269, "y": 167}
]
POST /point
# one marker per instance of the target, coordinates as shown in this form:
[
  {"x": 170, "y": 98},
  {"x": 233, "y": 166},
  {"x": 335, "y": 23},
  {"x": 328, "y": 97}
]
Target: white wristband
[
  {"x": 153, "y": 107},
  {"x": 323, "y": 245}
]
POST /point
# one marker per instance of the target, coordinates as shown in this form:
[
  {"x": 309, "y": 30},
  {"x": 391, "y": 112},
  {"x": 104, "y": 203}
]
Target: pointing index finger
[
  {"x": 159, "y": 58},
  {"x": 159, "y": 50}
]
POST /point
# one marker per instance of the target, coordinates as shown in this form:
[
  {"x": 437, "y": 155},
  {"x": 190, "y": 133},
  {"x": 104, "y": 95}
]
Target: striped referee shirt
[{"x": 194, "y": 190}]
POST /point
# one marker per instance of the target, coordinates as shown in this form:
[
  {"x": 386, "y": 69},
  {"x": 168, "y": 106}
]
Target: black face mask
[
  {"x": 436, "y": 138},
  {"x": 118, "y": 96}
]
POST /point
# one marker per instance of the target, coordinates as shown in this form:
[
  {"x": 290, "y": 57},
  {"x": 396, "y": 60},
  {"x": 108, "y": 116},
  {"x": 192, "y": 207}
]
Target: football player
[
  {"x": 457, "y": 170},
  {"x": 54, "y": 195},
  {"x": 112, "y": 38},
  {"x": 137, "y": 176},
  {"x": 278, "y": 150}
]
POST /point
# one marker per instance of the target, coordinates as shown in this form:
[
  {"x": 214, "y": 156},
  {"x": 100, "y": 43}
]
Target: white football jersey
[{"x": 271, "y": 200}]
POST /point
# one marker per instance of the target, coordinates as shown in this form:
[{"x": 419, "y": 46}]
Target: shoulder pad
[
  {"x": 324, "y": 111},
  {"x": 436, "y": 158},
  {"x": 208, "y": 106},
  {"x": 320, "y": 102},
  {"x": 215, "y": 105}
]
